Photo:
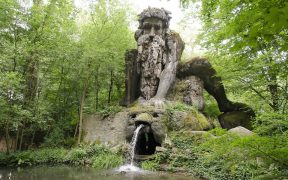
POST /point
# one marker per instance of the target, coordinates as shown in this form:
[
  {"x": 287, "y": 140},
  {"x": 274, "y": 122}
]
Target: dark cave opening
[{"x": 146, "y": 144}]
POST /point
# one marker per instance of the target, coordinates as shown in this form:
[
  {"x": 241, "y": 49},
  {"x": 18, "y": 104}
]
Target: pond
[{"x": 81, "y": 173}]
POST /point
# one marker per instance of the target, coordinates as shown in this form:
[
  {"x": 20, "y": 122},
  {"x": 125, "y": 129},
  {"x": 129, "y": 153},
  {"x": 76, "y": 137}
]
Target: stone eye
[
  {"x": 132, "y": 115},
  {"x": 147, "y": 26},
  {"x": 155, "y": 115},
  {"x": 157, "y": 27}
]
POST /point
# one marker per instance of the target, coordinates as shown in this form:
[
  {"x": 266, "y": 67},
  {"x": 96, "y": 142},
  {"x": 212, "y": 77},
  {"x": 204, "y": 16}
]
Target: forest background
[{"x": 54, "y": 67}]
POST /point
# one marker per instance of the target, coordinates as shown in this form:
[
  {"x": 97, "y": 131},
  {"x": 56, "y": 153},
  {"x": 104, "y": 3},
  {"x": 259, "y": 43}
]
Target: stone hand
[{"x": 157, "y": 102}]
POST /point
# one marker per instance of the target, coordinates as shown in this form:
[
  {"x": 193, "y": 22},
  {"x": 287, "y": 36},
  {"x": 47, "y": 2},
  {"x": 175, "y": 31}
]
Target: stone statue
[
  {"x": 152, "y": 69},
  {"x": 157, "y": 55}
]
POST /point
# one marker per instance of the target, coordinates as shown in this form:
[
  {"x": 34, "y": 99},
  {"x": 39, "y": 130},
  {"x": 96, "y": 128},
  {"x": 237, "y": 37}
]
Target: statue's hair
[{"x": 157, "y": 13}]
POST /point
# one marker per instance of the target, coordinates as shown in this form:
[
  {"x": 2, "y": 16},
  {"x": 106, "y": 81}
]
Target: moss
[
  {"x": 144, "y": 117},
  {"x": 203, "y": 122},
  {"x": 193, "y": 120},
  {"x": 139, "y": 108},
  {"x": 177, "y": 92}
]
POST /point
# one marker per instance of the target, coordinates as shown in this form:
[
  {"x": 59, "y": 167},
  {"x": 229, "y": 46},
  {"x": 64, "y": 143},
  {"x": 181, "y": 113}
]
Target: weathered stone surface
[
  {"x": 193, "y": 94},
  {"x": 110, "y": 131},
  {"x": 213, "y": 84},
  {"x": 241, "y": 131},
  {"x": 152, "y": 119},
  {"x": 190, "y": 91},
  {"x": 160, "y": 149},
  {"x": 162, "y": 14},
  {"x": 193, "y": 121},
  {"x": 158, "y": 53},
  {"x": 129, "y": 131},
  {"x": 158, "y": 129},
  {"x": 132, "y": 80},
  {"x": 233, "y": 119},
  {"x": 144, "y": 117}
]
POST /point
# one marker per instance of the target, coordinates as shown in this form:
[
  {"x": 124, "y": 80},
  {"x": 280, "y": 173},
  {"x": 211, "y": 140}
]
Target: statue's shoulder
[{"x": 174, "y": 37}]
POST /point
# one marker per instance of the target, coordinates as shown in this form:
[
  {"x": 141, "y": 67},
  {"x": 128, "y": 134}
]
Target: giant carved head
[
  {"x": 151, "y": 38},
  {"x": 153, "y": 21}
]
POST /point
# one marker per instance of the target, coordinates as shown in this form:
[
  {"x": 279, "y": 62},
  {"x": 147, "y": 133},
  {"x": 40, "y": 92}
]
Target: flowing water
[
  {"x": 132, "y": 167},
  {"x": 134, "y": 142}
]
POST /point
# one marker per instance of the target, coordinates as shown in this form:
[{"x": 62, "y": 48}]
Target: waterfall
[
  {"x": 134, "y": 142},
  {"x": 131, "y": 167}
]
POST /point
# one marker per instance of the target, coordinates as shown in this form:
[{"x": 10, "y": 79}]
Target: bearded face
[{"x": 151, "y": 47}]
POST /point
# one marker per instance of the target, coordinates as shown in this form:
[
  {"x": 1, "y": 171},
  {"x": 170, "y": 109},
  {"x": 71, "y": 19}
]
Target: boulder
[
  {"x": 241, "y": 131},
  {"x": 159, "y": 132},
  {"x": 188, "y": 120},
  {"x": 189, "y": 90},
  {"x": 233, "y": 119}
]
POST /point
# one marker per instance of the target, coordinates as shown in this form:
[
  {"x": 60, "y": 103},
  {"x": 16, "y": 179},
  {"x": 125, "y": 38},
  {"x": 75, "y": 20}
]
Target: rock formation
[
  {"x": 151, "y": 72},
  {"x": 155, "y": 61},
  {"x": 154, "y": 76}
]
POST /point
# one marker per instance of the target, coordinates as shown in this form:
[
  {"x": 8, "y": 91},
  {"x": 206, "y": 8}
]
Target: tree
[
  {"x": 104, "y": 40},
  {"x": 246, "y": 44}
]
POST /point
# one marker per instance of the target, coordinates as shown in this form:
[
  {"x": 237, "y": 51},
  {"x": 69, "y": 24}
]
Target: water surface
[{"x": 82, "y": 173}]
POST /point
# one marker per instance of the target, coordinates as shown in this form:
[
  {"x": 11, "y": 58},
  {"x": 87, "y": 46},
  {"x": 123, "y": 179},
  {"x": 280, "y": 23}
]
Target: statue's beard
[{"x": 151, "y": 59}]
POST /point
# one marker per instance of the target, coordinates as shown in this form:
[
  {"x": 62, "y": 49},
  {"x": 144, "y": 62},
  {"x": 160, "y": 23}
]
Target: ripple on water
[{"x": 131, "y": 168}]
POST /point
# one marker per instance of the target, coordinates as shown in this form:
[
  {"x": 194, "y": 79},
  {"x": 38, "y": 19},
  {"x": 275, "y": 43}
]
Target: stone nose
[{"x": 152, "y": 32}]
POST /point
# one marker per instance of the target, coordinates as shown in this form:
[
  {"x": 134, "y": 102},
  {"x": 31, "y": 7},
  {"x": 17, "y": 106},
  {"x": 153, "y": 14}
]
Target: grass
[{"x": 96, "y": 156}]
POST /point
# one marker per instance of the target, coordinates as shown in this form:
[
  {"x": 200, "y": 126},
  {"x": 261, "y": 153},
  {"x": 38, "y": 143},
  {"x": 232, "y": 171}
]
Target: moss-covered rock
[
  {"x": 236, "y": 118},
  {"x": 181, "y": 116}
]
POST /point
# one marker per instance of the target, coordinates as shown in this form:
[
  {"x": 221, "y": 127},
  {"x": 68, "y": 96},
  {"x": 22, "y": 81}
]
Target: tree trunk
[
  {"x": 21, "y": 137},
  {"x": 76, "y": 130},
  {"x": 97, "y": 89},
  {"x": 110, "y": 87},
  {"x": 272, "y": 86},
  {"x": 82, "y": 101},
  {"x": 7, "y": 137},
  {"x": 17, "y": 138},
  {"x": 32, "y": 139},
  {"x": 274, "y": 92}
]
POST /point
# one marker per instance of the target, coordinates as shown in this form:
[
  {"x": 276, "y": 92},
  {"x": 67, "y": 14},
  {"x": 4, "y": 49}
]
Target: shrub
[
  {"x": 109, "y": 110},
  {"x": 106, "y": 161},
  {"x": 229, "y": 156},
  {"x": 150, "y": 165},
  {"x": 98, "y": 155}
]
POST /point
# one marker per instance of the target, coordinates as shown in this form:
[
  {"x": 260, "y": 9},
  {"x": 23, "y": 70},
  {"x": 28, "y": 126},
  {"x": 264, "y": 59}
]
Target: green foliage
[
  {"x": 55, "y": 138},
  {"x": 271, "y": 124},
  {"x": 178, "y": 106},
  {"x": 52, "y": 65},
  {"x": 211, "y": 107},
  {"x": 246, "y": 45},
  {"x": 96, "y": 155},
  {"x": 106, "y": 161},
  {"x": 223, "y": 155},
  {"x": 245, "y": 42},
  {"x": 194, "y": 118},
  {"x": 218, "y": 131},
  {"x": 150, "y": 165},
  {"x": 33, "y": 157},
  {"x": 109, "y": 110}
]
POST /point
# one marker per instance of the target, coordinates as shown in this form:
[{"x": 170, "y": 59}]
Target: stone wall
[{"x": 109, "y": 131}]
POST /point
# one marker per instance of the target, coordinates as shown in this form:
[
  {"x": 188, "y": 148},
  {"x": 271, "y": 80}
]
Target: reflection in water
[{"x": 81, "y": 173}]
